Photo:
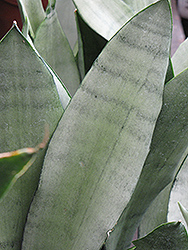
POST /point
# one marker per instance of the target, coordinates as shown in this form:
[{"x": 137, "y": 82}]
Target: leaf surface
[
  {"x": 180, "y": 58},
  {"x": 105, "y": 17},
  {"x": 34, "y": 12},
  {"x": 90, "y": 43},
  {"x": 15, "y": 163},
  {"x": 103, "y": 138},
  {"x": 167, "y": 236},
  {"x": 28, "y": 101},
  {"x": 53, "y": 46},
  {"x": 167, "y": 151}
]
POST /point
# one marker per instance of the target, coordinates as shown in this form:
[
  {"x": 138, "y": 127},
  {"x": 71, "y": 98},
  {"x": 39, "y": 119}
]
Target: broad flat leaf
[
  {"x": 34, "y": 12},
  {"x": 97, "y": 152},
  {"x": 53, "y": 46},
  {"x": 180, "y": 58},
  {"x": 179, "y": 194},
  {"x": 167, "y": 150},
  {"x": 15, "y": 163},
  {"x": 184, "y": 212},
  {"x": 104, "y": 17},
  {"x": 29, "y": 100},
  {"x": 171, "y": 236},
  {"x": 90, "y": 43}
]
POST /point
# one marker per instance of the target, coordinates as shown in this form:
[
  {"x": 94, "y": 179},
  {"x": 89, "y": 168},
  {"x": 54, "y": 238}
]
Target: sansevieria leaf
[
  {"x": 98, "y": 150},
  {"x": 104, "y": 17},
  {"x": 29, "y": 100},
  {"x": 53, "y": 46}
]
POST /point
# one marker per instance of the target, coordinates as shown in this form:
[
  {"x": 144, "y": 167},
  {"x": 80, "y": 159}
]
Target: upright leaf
[
  {"x": 97, "y": 152},
  {"x": 34, "y": 12},
  {"x": 167, "y": 150},
  {"x": 53, "y": 46},
  {"x": 184, "y": 212},
  {"x": 29, "y": 100},
  {"x": 180, "y": 58},
  {"x": 179, "y": 194},
  {"x": 65, "y": 11}
]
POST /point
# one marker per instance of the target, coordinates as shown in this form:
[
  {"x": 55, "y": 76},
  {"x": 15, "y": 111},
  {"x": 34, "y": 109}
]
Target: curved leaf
[
  {"x": 103, "y": 138},
  {"x": 171, "y": 236},
  {"x": 104, "y": 17},
  {"x": 53, "y": 46},
  {"x": 138, "y": 5},
  {"x": 29, "y": 100}
]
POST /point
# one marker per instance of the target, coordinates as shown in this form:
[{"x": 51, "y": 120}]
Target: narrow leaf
[
  {"x": 184, "y": 212},
  {"x": 103, "y": 138},
  {"x": 154, "y": 217},
  {"x": 180, "y": 58},
  {"x": 171, "y": 236},
  {"x": 34, "y": 13},
  {"x": 65, "y": 11},
  {"x": 179, "y": 193},
  {"x": 53, "y": 46}
]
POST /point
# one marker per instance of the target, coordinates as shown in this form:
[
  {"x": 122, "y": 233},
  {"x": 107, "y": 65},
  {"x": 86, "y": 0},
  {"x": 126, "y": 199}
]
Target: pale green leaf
[
  {"x": 179, "y": 193},
  {"x": 103, "y": 138},
  {"x": 180, "y": 58},
  {"x": 167, "y": 150},
  {"x": 65, "y": 11},
  {"x": 138, "y": 5},
  {"x": 53, "y": 46},
  {"x": 105, "y": 17},
  {"x": 34, "y": 13},
  {"x": 184, "y": 212},
  {"x": 29, "y": 100}
]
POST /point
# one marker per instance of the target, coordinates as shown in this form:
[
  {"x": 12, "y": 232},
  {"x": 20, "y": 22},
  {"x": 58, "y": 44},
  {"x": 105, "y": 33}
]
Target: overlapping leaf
[
  {"x": 105, "y": 17},
  {"x": 29, "y": 100},
  {"x": 98, "y": 150},
  {"x": 53, "y": 46},
  {"x": 171, "y": 236}
]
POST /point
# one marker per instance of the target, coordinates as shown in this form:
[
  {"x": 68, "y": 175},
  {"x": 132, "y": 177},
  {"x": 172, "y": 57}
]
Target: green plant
[{"x": 116, "y": 144}]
